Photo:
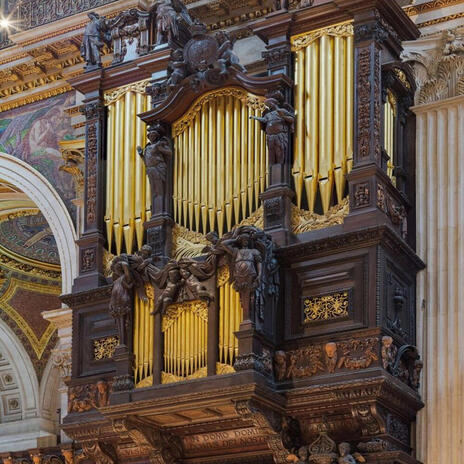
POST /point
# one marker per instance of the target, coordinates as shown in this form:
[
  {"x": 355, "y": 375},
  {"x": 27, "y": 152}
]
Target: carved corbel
[
  {"x": 161, "y": 447},
  {"x": 282, "y": 433},
  {"x": 103, "y": 453},
  {"x": 369, "y": 418}
]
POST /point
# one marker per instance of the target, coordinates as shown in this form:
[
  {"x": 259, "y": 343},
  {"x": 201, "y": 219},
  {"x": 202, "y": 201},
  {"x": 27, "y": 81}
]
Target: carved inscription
[{"x": 225, "y": 439}]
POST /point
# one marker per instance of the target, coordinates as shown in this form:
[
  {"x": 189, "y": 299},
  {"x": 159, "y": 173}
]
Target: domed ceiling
[
  {"x": 29, "y": 274},
  {"x": 24, "y": 231}
]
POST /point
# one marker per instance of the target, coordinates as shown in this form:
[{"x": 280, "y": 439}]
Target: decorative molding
[
  {"x": 443, "y": 19},
  {"x": 83, "y": 398},
  {"x": 311, "y": 360},
  {"x": 414, "y": 10}
]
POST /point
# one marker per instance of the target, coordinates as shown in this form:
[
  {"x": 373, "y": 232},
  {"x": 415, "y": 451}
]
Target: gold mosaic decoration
[
  {"x": 103, "y": 348},
  {"x": 326, "y": 307},
  {"x": 38, "y": 345}
]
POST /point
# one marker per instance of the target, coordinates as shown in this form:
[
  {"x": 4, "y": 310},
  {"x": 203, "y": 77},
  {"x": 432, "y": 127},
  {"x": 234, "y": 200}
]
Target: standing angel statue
[
  {"x": 277, "y": 121},
  {"x": 95, "y": 36},
  {"x": 155, "y": 156}
]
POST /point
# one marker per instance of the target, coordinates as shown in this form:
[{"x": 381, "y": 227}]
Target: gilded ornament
[
  {"x": 222, "y": 276},
  {"x": 187, "y": 243},
  {"x": 103, "y": 348},
  {"x": 402, "y": 77},
  {"x": 306, "y": 39},
  {"x": 250, "y": 100},
  {"x": 326, "y": 307},
  {"x": 115, "y": 95},
  {"x": 174, "y": 311},
  {"x": 305, "y": 221}
]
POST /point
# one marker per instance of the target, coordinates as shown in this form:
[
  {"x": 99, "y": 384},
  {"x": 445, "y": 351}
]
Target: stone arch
[{"x": 39, "y": 189}]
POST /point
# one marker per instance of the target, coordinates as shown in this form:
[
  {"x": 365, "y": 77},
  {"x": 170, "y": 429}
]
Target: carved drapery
[
  {"x": 220, "y": 161},
  {"x": 128, "y": 199},
  {"x": 323, "y": 148}
]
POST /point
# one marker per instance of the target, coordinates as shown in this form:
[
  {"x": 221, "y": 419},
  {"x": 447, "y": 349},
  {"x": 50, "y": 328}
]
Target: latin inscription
[{"x": 226, "y": 439}]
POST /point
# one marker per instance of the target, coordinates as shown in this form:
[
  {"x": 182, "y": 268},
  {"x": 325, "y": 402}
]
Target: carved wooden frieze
[
  {"x": 328, "y": 357},
  {"x": 326, "y": 307},
  {"x": 82, "y": 398}
]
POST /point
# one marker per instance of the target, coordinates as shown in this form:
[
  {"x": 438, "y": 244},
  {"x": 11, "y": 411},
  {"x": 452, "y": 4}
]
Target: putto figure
[
  {"x": 277, "y": 121},
  {"x": 155, "y": 156},
  {"x": 120, "y": 307},
  {"x": 226, "y": 53},
  {"x": 95, "y": 37}
]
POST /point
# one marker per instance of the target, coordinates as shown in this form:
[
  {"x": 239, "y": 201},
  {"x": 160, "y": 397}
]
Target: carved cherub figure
[
  {"x": 344, "y": 449},
  {"x": 102, "y": 394},
  {"x": 331, "y": 356},
  {"x": 280, "y": 364},
  {"x": 120, "y": 307},
  {"x": 301, "y": 457},
  {"x": 226, "y": 55},
  {"x": 155, "y": 156},
  {"x": 94, "y": 39},
  {"x": 277, "y": 121},
  {"x": 191, "y": 287},
  {"x": 179, "y": 68},
  {"x": 388, "y": 352},
  {"x": 170, "y": 281}
]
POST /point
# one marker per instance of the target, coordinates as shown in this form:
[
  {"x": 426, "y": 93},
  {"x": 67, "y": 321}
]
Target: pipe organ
[
  {"x": 185, "y": 332},
  {"x": 323, "y": 147},
  {"x": 220, "y": 161},
  {"x": 128, "y": 200}
]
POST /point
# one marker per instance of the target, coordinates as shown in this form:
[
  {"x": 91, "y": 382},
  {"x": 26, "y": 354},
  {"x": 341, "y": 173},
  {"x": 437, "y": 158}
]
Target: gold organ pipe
[
  {"x": 212, "y": 207},
  {"x": 339, "y": 117},
  {"x": 109, "y": 216},
  {"x": 220, "y": 174},
  {"x": 349, "y": 101},
  {"x": 128, "y": 199},
  {"x": 237, "y": 157},
  {"x": 175, "y": 188},
  {"x": 118, "y": 194},
  {"x": 197, "y": 174},
  {"x": 220, "y": 161},
  {"x": 324, "y": 107},
  {"x": 244, "y": 160},
  {"x": 298, "y": 165}
]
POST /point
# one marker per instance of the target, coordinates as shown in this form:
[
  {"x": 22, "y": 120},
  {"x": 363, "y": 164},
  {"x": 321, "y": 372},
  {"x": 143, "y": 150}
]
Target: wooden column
[
  {"x": 91, "y": 243},
  {"x": 277, "y": 199}
]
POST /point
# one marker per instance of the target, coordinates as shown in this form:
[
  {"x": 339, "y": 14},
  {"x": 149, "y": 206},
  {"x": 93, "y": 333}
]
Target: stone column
[
  {"x": 440, "y": 231},
  {"x": 61, "y": 355}
]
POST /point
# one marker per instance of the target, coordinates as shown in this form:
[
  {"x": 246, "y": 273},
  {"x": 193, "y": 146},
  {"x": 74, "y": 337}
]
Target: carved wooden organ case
[{"x": 246, "y": 289}]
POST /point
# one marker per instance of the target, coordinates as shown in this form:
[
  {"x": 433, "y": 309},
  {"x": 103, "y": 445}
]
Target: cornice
[
  {"x": 445, "y": 104},
  {"x": 414, "y": 10}
]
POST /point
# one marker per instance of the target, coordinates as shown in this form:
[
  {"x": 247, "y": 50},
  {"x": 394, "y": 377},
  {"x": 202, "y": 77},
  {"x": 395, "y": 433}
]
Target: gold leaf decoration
[
  {"x": 326, "y": 307},
  {"x": 103, "y": 348},
  {"x": 305, "y": 221}
]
